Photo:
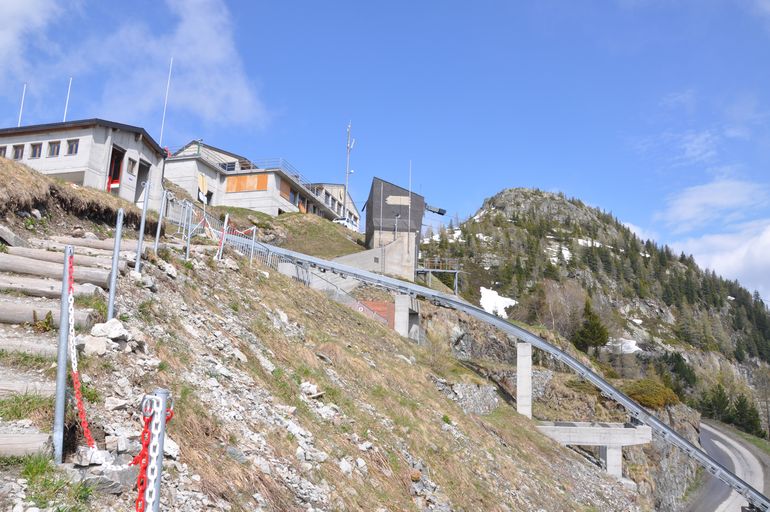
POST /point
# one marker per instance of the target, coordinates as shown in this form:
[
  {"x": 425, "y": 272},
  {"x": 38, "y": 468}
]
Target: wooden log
[
  {"x": 27, "y": 313},
  {"x": 21, "y": 444},
  {"x": 37, "y": 348},
  {"x": 55, "y": 257},
  {"x": 86, "y": 251},
  {"x": 37, "y": 287},
  {"x": 27, "y": 266},
  {"x": 107, "y": 244},
  {"x": 10, "y": 386}
]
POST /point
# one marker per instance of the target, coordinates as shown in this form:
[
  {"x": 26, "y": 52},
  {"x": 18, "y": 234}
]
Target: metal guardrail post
[
  {"x": 188, "y": 219},
  {"x": 138, "y": 265},
  {"x": 163, "y": 395},
  {"x": 115, "y": 260},
  {"x": 61, "y": 361},
  {"x": 222, "y": 241},
  {"x": 160, "y": 221},
  {"x": 253, "y": 242}
]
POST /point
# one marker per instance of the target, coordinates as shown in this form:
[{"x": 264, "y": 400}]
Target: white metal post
[
  {"x": 61, "y": 361},
  {"x": 115, "y": 260},
  {"x": 138, "y": 265},
  {"x": 160, "y": 221}
]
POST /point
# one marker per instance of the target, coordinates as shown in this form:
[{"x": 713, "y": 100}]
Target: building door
[
  {"x": 141, "y": 181},
  {"x": 114, "y": 171}
]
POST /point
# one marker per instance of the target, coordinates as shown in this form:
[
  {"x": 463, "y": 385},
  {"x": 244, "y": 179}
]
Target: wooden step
[
  {"x": 27, "y": 266},
  {"x": 18, "y": 311},
  {"x": 13, "y": 382},
  {"x": 57, "y": 257},
  {"x": 38, "y": 287},
  {"x": 24, "y": 443},
  {"x": 21, "y": 338},
  {"x": 107, "y": 244}
]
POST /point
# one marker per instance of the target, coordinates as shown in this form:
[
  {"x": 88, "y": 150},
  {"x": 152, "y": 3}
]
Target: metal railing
[
  {"x": 271, "y": 254},
  {"x": 192, "y": 221}
]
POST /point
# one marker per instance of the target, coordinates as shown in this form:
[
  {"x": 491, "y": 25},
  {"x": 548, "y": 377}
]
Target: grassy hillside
[{"x": 287, "y": 400}]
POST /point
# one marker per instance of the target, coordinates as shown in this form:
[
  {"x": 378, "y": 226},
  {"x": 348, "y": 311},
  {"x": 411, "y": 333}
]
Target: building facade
[
  {"x": 331, "y": 194},
  {"x": 222, "y": 178},
  {"x": 118, "y": 158}
]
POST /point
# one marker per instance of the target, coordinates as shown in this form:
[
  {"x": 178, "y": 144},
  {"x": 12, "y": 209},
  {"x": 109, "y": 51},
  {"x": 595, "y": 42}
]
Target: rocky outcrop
[{"x": 669, "y": 471}]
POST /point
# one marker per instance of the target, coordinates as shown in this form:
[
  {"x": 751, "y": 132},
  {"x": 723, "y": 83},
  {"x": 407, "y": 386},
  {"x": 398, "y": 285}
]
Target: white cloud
[
  {"x": 721, "y": 201},
  {"x": 697, "y": 146},
  {"x": 21, "y": 27},
  {"x": 643, "y": 233},
  {"x": 738, "y": 254},
  {"x": 209, "y": 80},
  {"x": 125, "y": 68},
  {"x": 685, "y": 100}
]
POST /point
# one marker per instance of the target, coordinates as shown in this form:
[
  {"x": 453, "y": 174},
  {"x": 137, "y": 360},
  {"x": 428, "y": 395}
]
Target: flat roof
[{"x": 83, "y": 123}]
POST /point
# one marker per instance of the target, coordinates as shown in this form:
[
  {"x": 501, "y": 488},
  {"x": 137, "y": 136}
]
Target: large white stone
[
  {"x": 112, "y": 329},
  {"x": 92, "y": 345}
]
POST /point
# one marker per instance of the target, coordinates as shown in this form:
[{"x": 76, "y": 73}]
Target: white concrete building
[
  {"x": 331, "y": 194},
  {"x": 223, "y": 178},
  {"x": 105, "y": 155}
]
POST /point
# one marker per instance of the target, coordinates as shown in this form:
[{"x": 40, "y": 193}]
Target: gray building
[
  {"x": 392, "y": 211},
  {"x": 105, "y": 155}
]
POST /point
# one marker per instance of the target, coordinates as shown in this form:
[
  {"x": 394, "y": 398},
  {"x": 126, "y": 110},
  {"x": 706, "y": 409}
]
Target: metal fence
[{"x": 192, "y": 221}]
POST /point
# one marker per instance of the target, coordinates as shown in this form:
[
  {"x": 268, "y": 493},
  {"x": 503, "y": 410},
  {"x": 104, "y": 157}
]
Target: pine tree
[{"x": 592, "y": 333}]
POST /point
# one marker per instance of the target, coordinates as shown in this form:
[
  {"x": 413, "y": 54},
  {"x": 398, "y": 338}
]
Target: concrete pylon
[
  {"x": 612, "y": 456},
  {"x": 401, "y": 316},
  {"x": 524, "y": 378}
]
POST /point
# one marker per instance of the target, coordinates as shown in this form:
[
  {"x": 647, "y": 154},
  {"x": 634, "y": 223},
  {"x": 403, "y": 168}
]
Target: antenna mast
[
  {"x": 21, "y": 107},
  {"x": 409, "y": 210},
  {"x": 67, "y": 101},
  {"x": 165, "y": 102}
]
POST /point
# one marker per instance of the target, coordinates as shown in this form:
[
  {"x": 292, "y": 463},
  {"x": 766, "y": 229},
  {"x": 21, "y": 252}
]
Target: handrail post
[
  {"x": 115, "y": 260},
  {"x": 253, "y": 242},
  {"x": 138, "y": 264},
  {"x": 61, "y": 361},
  {"x": 163, "y": 396},
  {"x": 189, "y": 234},
  {"x": 160, "y": 221}
]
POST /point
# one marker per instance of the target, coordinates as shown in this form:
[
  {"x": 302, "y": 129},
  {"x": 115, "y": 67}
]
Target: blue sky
[{"x": 658, "y": 111}]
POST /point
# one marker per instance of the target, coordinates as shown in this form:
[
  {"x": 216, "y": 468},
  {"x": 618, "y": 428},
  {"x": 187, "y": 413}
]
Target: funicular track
[{"x": 272, "y": 256}]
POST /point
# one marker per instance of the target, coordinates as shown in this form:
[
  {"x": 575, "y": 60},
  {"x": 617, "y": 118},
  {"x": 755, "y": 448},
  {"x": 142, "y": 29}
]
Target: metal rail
[
  {"x": 665, "y": 432},
  {"x": 272, "y": 256}
]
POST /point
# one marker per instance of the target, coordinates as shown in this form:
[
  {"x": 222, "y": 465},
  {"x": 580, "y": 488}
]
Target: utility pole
[{"x": 350, "y": 144}]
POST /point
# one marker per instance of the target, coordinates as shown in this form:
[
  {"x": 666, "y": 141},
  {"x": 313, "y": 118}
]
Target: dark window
[
  {"x": 2, "y": 151},
  {"x": 228, "y": 166},
  {"x": 53, "y": 148},
  {"x": 37, "y": 150},
  {"x": 18, "y": 152},
  {"x": 293, "y": 196},
  {"x": 72, "y": 146}
]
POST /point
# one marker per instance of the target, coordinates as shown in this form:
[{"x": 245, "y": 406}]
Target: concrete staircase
[{"x": 30, "y": 289}]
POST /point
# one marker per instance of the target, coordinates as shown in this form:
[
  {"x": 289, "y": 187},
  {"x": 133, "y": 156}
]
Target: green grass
[
  {"x": 48, "y": 488},
  {"x": 90, "y": 393},
  {"x": 95, "y": 302},
  {"x": 650, "y": 393},
  {"x": 22, "y": 406},
  {"x": 25, "y": 361}
]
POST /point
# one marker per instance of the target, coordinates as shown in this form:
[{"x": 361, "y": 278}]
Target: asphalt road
[{"x": 736, "y": 455}]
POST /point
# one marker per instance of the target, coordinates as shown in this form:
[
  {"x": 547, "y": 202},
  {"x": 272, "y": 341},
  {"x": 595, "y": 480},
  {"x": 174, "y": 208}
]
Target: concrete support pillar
[
  {"x": 612, "y": 457},
  {"x": 524, "y": 379},
  {"x": 401, "y": 316}
]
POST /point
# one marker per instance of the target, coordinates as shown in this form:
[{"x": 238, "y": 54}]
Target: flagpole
[
  {"x": 165, "y": 102},
  {"x": 21, "y": 107},
  {"x": 67, "y": 101}
]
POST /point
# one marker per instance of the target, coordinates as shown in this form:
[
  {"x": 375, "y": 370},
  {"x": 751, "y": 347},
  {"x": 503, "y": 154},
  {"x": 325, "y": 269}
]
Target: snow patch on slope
[{"x": 493, "y": 302}]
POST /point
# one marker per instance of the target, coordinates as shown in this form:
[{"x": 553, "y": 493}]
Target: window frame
[
  {"x": 3, "y": 151},
  {"x": 51, "y": 144},
  {"x": 35, "y": 146},
  {"x": 69, "y": 147},
  {"x": 18, "y": 147}
]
